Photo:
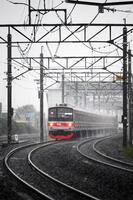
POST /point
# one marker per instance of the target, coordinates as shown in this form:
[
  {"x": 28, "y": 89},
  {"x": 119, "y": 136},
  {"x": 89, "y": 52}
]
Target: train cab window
[
  {"x": 65, "y": 114},
  {"x": 52, "y": 113}
]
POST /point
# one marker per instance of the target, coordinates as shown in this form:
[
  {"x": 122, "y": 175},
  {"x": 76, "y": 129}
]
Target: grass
[{"x": 127, "y": 151}]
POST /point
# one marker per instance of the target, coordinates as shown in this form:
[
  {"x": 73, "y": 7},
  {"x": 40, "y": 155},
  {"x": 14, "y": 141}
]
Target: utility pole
[
  {"x": 41, "y": 98},
  {"x": 9, "y": 86},
  {"x": 63, "y": 85},
  {"x": 129, "y": 98},
  {"x": 124, "y": 117}
]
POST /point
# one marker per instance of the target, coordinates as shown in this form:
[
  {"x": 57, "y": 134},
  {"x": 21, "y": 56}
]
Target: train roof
[
  {"x": 60, "y": 107},
  {"x": 82, "y": 110}
]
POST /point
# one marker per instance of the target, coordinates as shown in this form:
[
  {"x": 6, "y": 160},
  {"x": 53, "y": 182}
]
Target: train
[{"x": 65, "y": 122}]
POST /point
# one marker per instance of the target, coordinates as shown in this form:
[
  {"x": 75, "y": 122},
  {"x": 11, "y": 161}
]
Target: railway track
[
  {"x": 116, "y": 174},
  {"x": 88, "y": 173},
  {"x": 38, "y": 181},
  {"x": 17, "y": 165},
  {"x": 95, "y": 155},
  {"x": 71, "y": 170}
]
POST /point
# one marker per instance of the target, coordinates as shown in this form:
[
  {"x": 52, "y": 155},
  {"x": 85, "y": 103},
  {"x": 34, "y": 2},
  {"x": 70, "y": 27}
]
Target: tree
[{"x": 25, "y": 113}]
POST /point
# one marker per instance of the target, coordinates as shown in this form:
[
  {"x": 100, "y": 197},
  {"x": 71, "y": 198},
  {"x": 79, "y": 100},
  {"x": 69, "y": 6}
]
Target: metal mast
[
  {"x": 41, "y": 98},
  {"x": 124, "y": 87},
  {"x": 129, "y": 97},
  {"x": 63, "y": 85},
  {"x": 9, "y": 86}
]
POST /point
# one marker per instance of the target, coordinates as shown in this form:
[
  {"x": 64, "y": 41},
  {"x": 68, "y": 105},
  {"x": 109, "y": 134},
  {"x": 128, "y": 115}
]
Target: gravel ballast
[{"x": 65, "y": 163}]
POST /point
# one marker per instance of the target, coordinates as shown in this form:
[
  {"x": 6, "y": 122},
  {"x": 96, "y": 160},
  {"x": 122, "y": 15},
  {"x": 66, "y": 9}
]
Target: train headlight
[
  {"x": 51, "y": 124},
  {"x": 70, "y": 124}
]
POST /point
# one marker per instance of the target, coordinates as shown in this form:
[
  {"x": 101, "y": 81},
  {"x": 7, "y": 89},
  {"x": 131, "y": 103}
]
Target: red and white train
[{"x": 65, "y": 122}]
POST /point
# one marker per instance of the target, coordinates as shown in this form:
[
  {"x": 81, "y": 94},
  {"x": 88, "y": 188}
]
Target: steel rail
[
  {"x": 102, "y": 162},
  {"x": 89, "y": 196},
  {"x": 32, "y": 188},
  {"x": 109, "y": 157}
]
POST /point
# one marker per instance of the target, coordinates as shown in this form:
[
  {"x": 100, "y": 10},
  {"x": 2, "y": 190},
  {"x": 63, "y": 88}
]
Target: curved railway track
[
  {"x": 96, "y": 155},
  {"x": 56, "y": 170},
  {"x": 17, "y": 174},
  {"x": 89, "y": 173},
  {"x": 119, "y": 173},
  {"x": 39, "y": 182}
]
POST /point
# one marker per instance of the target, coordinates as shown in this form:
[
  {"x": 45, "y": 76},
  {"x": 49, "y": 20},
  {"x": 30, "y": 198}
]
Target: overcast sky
[{"x": 25, "y": 89}]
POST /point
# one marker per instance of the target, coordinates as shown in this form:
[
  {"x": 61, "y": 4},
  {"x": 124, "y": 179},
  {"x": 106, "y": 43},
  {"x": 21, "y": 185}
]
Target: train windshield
[
  {"x": 64, "y": 114},
  {"x": 52, "y": 114},
  {"x": 61, "y": 114}
]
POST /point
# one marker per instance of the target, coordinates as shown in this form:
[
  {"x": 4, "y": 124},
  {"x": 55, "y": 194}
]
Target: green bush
[{"x": 128, "y": 151}]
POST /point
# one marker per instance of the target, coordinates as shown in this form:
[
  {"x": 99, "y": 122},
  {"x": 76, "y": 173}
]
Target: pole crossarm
[
  {"x": 113, "y": 62},
  {"x": 66, "y": 57},
  {"x": 19, "y": 63},
  {"x": 5, "y": 41},
  {"x": 72, "y": 30},
  {"x": 89, "y": 40},
  {"x": 73, "y": 63},
  {"x": 13, "y": 78},
  {"x": 46, "y": 88},
  {"x": 76, "y": 66},
  {"x": 68, "y": 24},
  {"x": 20, "y": 32}
]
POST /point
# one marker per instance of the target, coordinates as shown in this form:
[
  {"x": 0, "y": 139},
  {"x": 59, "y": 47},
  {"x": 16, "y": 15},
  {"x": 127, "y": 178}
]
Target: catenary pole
[
  {"x": 9, "y": 86},
  {"x": 129, "y": 97},
  {"x": 41, "y": 98},
  {"x": 63, "y": 85},
  {"x": 124, "y": 118}
]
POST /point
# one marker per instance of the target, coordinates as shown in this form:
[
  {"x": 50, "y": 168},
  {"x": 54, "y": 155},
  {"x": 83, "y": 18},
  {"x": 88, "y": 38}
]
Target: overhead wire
[
  {"x": 97, "y": 14},
  {"x": 91, "y": 48},
  {"x": 23, "y": 11},
  {"x": 71, "y": 11},
  {"x": 77, "y": 37},
  {"x": 36, "y": 21},
  {"x": 22, "y": 86},
  {"x": 100, "y": 52},
  {"x": 28, "y": 47},
  {"x": 80, "y": 30},
  {"x": 117, "y": 10},
  {"x": 90, "y": 43}
]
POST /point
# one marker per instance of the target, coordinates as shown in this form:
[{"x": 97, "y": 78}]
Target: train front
[{"x": 60, "y": 122}]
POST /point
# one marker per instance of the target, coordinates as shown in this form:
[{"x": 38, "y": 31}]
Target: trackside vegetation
[
  {"x": 17, "y": 128},
  {"x": 128, "y": 151}
]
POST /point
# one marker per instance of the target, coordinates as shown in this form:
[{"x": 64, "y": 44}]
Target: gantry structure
[{"x": 91, "y": 75}]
